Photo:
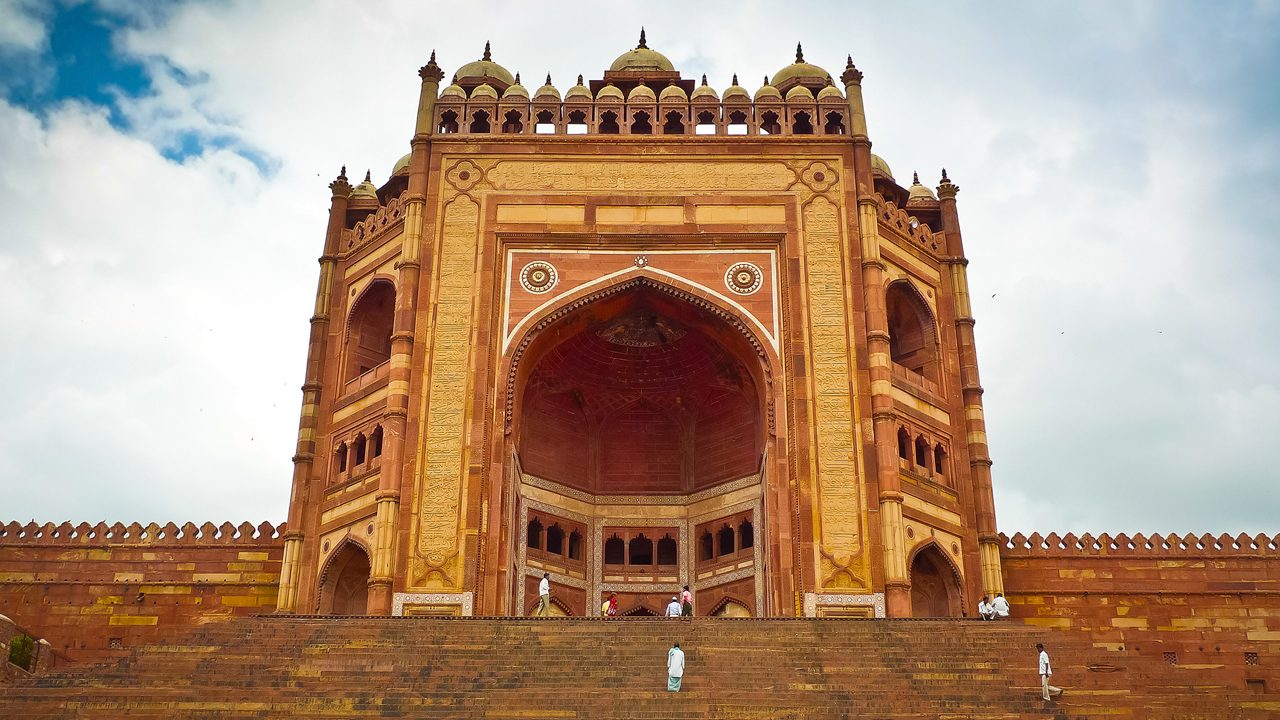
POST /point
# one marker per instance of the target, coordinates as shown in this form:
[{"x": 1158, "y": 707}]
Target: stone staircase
[{"x": 326, "y": 667}]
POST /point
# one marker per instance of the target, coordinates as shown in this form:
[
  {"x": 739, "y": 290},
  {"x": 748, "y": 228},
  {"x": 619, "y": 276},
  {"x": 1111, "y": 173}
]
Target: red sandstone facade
[{"x": 639, "y": 336}]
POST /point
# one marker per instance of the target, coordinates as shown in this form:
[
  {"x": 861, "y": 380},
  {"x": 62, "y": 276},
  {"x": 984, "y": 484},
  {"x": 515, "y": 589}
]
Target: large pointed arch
[
  {"x": 913, "y": 330},
  {"x": 937, "y": 586},
  {"x": 344, "y": 578}
]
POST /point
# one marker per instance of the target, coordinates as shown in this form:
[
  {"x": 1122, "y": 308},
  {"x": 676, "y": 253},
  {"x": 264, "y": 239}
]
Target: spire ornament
[
  {"x": 915, "y": 178},
  {"x": 799, "y": 53},
  {"x": 947, "y": 189},
  {"x": 851, "y": 75},
  {"x": 579, "y": 78},
  {"x": 368, "y": 176},
  {"x": 735, "y": 78},
  {"x": 548, "y": 82},
  {"x": 432, "y": 71},
  {"x": 704, "y": 79},
  {"x": 643, "y": 45},
  {"x": 487, "y": 55}
]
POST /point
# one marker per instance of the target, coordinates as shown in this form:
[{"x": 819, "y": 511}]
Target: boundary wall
[
  {"x": 1210, "y": 605},
  {"x": 96, "y": 591}
]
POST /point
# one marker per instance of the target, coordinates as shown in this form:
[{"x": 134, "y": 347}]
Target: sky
[{"x": 163, "y": 197}]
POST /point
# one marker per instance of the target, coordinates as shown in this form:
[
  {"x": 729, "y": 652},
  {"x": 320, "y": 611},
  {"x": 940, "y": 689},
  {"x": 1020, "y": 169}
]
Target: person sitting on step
[
  {"x": 999, "y": 607},
  {"x": 984, "y": 609}
]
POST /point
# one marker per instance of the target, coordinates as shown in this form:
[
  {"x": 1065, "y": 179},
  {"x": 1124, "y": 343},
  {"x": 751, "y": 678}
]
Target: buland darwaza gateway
[{"x": 639, "y": 335}]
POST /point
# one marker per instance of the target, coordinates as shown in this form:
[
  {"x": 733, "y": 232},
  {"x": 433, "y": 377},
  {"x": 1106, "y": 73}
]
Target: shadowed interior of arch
[{"x": 640, "y": 392}]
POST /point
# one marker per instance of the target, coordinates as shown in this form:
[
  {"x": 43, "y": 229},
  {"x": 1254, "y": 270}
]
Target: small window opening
[
  {"x": 769, "y": 124},
  {"x": 341, "y": 455},
  {"x": 448, "y": 122},
  {"x": 922, "y": 453},
  {"x": 939, "y": 459},
  {"x": 609, "y": 123},
  {"x": 835, "y": 124},
  {"x": 667, "y": 550},
  {"x": 577, "y": 124},
  {"x": 802, "y": 125},
  {"x": 546, "y": 123},
  {"x": 725, "y": 541},
  {"x": 737, "y": 123},
  {"x": 615, "y": 551},
  {"x": 640, "y": 551},
  {"x": 479, "y": 122},
  {"x": 746, "y": 535},
  {"x": 575, "y": 545},
  {"x": 535, "y": 534},
  {"x": 555, "y": 540},
  {"x": 375, "y": 442},
  {"x": 641, "y": 126},
  {"x": 706, "y": 123},
  {"x": 513, "y": 122},
  {"x": 904, "y": 444},
  {"x": 358, "y": 447},
  {"x": 674, "y": 124},
  {"x": 706, "y": 546}
]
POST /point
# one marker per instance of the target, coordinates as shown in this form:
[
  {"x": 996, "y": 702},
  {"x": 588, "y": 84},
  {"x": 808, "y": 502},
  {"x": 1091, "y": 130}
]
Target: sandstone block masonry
[{"x": 96, "y": 591}]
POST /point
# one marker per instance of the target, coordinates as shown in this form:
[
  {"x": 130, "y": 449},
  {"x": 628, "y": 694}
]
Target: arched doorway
[
  {"x": 344, "y": 586},
  {"x": 644, "y": 396},
  {"x": 935, "y": 590}
]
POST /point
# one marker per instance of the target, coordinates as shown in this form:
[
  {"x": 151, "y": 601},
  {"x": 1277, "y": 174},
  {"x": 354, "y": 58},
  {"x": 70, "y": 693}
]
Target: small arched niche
[
  {"x": 913, "y": 339},
  {"x": 369, "y": 329}
]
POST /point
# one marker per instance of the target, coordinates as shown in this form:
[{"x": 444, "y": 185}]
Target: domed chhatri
[
  {"x": 673, "y": 93},
  {"x": 484, "y": 70},
  {"x": 516, "y": 90},
  {"x": 642, "y": 59},
  {"x": 918, "y": 192},
  {"x": 578, "y": 91},
  {"x": 484, "y": 90},
  {"x": 704, "y": 91},
  {"x": 547, "y": 90},
  {"x": 878, "y": 165},
  {"x": 641, "y": 93},
  {"x": 800, "y": 73},
  {"x": 736, "y": 91},
  {"x": 767, "y": 92},
  {"x": 611, "y": 92},
  {"x": 402, "y": 166},
  {"x": 365, "y": 195}
]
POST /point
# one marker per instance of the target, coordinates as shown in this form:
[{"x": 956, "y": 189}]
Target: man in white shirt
[
  {"x": 675, "y": 668},
  {"x": 999, "y": 607},
  {"x": 544, "y": 595},
  {"x": 1045, "y": 671},
  {"x": 673, "y": 607},
  {"x": 984, "y": 609}
]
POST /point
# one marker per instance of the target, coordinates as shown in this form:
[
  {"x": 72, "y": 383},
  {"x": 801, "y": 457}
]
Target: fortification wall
[
  {"x": 1207, "y": 604},
  {"x": 95, "y": 591}
]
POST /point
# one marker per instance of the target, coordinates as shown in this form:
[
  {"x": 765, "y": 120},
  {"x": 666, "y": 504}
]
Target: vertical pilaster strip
[
  {"x": 879, "y": 360},
  {"x": 305, "y": 453},
  {"x": 386, "y": 523},
  {"x": 971, "y": 390}
]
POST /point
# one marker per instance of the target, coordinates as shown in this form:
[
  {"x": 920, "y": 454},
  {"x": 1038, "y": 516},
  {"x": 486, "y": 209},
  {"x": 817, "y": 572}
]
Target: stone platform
[{"x": 357, "y": 667}]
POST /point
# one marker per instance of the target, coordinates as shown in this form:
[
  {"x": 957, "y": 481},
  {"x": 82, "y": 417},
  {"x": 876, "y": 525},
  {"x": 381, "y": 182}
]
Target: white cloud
[
  {"x": 23, "y": 24},
  {"x": 161, "y": 307}
]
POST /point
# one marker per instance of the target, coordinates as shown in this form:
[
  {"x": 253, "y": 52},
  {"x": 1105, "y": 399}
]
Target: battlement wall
[
  {"x": 95, "y": 591},
  {"x": 1187, "y": 599}
]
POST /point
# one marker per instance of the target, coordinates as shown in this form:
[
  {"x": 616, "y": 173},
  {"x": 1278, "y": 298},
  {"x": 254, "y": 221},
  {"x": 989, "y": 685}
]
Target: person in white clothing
[
  {"x": 544, "y": 595},
  {"x": 1046, "y": 690},
  {"x": 675, "y": 668},
  {"x": 673, "y": 607},
  {"x": 999, "y": 607},
  {"x": 984, "y": 609}
]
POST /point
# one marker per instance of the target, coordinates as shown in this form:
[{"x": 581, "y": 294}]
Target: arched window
[
  {"x": 835, "y": 124},
  {"x": 375, "y": 442},
  {"x": 479, "y": 122},
  {"x": 512, "y": 122},
  {"x": 746, "y": 535},
  {"x": 922, "y": 453},
  {"x": 667, "y": 550},
  {"x": 615, "y": 551},
  {"x": 904, "y": 444},
  {"x": 674, "y": 124},
  {"x": 737, "y": 123},
  {"x": 912, "y": 340},
  {"x": 640, "y": 551},
  {"x": 357, "y": 450},
  {"x": 448, "y": 122},
  {"x": 940, "y": 459},
  {"x": 535, "y": 534},
  {"x": 706, "y": 546},
  {"x": 724, "y": 540},
  {"x": 369, "y": 329},
  {"x": 575, "y": 545},
  {"x": 545, "y": 123},
  {"x": 577, "y": 124},
  {"x": 340, "y": 455},
  {"x": 706, "y": 123},
  {"x": 641, "y": 126},
  {"x": 803, "y": 124},
  {"x": 609, "y": 123},
  {"x": 555, "y": 540},
  {"x": 769, "y": 123}
]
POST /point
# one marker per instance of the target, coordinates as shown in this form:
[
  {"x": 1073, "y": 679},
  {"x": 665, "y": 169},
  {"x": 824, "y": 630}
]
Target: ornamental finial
[
  {"x": 368, "y": 176},
  {"x": 944, "y": 176},
  {"x": 342, "y": 174},
  {"x": 487, "y": 55},
  {"x": 735, "y": 78},
  {"x": 799, "y": 53},
  {"x": 548, "y": 82},
  {"x": 851, "y": 74},
  {"x": 579, "y": 78},
  {"x": 704, "y": 79},
  {"x": 517, "y": 78},
  {"x": 643, "y": 45},
  {"x": 915, "y": 178},
  {"x": 431, "y": 71}
]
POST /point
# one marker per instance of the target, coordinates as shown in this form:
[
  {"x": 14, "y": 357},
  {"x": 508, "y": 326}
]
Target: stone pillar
[
  {"x": 408, "y": 268},
  {"x": 883, "y": 417},
  {"x": 305, "y": 454},
  {"x": 971, "y": 390}
]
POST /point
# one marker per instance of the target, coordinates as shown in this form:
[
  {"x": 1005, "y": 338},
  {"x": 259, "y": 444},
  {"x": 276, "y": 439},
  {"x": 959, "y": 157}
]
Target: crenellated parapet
[
  {"x": 907, "y": 226},
  {"x": 1190, "y": 544},
  {"x": 387, "y": 219},
  {"x": 49, "y": 534}
]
